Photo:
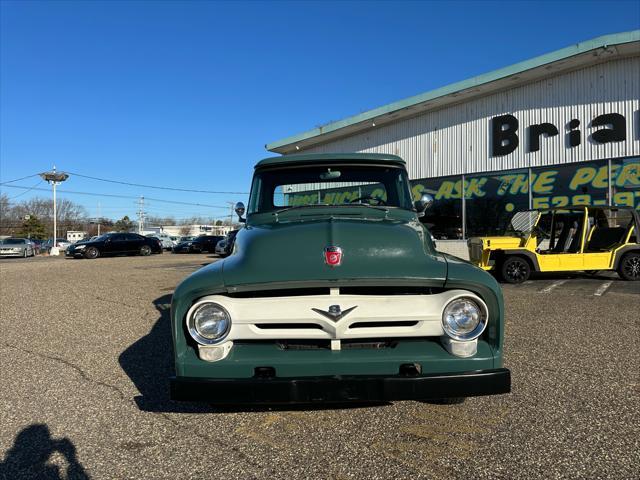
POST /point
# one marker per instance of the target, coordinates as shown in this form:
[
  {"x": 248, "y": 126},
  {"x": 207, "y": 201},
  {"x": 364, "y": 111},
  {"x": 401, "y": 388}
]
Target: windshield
[
  {"x": 523, "y": 222},
  {"x": 13, "y": 241},
  {"x": 102, "y": 237},
  {"x": 330, "y": 185}
]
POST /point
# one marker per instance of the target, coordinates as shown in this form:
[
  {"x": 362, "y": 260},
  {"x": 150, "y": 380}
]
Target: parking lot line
[
  {"x": 552, "y": 286},
  {"x": 602, "y": 288}
]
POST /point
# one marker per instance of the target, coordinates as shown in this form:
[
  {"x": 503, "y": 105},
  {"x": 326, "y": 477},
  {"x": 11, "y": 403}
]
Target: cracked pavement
[{"x": 86, "y": 354}]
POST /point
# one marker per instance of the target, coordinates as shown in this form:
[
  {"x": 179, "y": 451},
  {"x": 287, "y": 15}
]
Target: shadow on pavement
[
  {"x": 149, "y": 363},
  {"x": 29, "y": 457}
]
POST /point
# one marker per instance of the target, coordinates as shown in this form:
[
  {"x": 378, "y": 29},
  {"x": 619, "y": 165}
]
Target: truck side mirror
[
  {"x": 240, "y": 211},
  {"x": 424, "y": 203}
]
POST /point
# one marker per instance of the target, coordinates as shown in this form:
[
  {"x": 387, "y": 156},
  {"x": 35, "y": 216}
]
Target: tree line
[{"x": 33, "y": 218}]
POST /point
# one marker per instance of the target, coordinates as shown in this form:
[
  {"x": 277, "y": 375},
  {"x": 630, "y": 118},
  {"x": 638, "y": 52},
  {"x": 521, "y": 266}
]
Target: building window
[
  {"x": 625, "y": 182},
  {"x": 492, "y": 199},
  {"x": 575, "y": 184},
  {"x": 444, "y": 218}
]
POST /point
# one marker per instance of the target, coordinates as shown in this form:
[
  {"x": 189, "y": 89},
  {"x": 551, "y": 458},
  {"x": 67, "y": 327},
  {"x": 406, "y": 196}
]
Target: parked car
[
  {"x": 115, "y": 244},
  {"x": 227, "y": 247},
  {"x": 331, "y": 299},
  {"x": 62, "y": 244},
  {"x": 37, "y": 245},
  {"x": 17, "y": 247},
  {"x": 164, "y": 239},
  {"x": 203, "y": 243},
  {"x": 185, "y": 238},
  {"x": 221, "y": 247},
  {"x": 563, "y": 239}
]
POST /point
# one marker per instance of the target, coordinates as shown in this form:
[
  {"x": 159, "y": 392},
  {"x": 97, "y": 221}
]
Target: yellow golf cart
[{"x": 563, "y": 240}]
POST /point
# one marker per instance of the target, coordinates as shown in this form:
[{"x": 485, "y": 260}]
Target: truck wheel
[
  {"x": 91, "y": 253},
  {"x": 515, "y": 270},
  {"x": 629, "y": 267},
  {"x": 145, "y": 250}
]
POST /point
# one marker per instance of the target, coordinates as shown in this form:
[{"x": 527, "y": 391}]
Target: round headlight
[
  {"x": 464, "y": 319},
  {"x": 209, "y": 323}
]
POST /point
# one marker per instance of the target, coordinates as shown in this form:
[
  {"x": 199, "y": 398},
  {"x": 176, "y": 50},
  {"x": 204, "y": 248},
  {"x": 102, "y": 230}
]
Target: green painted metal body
[{"x": 380, "y": 248}]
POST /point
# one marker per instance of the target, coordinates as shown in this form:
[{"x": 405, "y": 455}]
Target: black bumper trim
[{"x": 327, "y": 389}]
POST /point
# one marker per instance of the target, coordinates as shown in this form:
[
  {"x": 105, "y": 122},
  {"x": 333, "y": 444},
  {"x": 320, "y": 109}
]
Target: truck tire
[
  {"x": 629, "y": 266},
  {"x": 515, "y": 269}
]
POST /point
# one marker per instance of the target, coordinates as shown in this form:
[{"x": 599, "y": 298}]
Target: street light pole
[{"x": 54, "y": 178}]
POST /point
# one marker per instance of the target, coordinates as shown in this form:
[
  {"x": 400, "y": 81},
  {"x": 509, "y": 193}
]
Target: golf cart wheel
[
  {"x": 91, "y": 253},
  {"x": 629, "y": 267},
  {"x": 515, "y": 270},
  {"x": 145, "y": 250}
]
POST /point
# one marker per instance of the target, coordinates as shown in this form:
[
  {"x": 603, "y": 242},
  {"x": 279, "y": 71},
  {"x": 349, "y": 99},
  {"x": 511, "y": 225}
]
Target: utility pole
[
  {"x": 54, "y": 178},
  {"x": 98, "y": 218},
  {"x": 232, "y": 204},
  {"x": 141, "y": 215}
]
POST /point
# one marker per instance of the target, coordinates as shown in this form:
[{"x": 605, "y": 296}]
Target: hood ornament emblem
[
  {"x": 334, "y": 313},
  {"x": 333, "y": 256}
]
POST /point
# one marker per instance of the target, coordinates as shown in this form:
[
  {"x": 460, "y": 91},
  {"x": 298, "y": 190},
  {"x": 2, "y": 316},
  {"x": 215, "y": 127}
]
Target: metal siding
[{"x": 455, "y": 140}]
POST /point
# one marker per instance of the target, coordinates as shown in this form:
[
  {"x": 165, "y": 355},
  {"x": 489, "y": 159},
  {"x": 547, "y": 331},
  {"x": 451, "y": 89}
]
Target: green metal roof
[
  {"x": 604, "y": 41},
  {"x": 330, "y": 157}
]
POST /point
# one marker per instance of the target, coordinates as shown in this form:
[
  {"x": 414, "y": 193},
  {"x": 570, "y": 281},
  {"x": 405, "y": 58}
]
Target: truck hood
[{"x": 384, "y": 250}]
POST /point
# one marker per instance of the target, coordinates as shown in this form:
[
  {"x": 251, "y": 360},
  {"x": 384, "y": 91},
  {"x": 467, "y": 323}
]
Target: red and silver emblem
[{"x": 333, "y": 256}]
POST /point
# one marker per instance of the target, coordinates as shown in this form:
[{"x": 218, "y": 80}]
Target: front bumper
[
  {"x": 340, "y": 388},
  {"x": 12, "y": 254}
]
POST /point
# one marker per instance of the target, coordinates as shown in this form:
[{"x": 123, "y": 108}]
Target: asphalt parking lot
[{"x": 86, "y": 354}]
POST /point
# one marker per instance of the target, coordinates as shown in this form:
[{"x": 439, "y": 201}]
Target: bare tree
[
  {"x": 71, "y": 216},
  {"x": 159, "y": 221}
]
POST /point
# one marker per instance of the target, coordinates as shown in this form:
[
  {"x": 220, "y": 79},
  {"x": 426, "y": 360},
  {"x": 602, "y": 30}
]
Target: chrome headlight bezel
[
  {"x": 193, "y": 330},
  {"x": 480, "y": 327}
]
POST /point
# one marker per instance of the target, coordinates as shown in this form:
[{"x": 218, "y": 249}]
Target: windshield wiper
[
  {"x": 277, "y": 212},
  {"x": 360, "y": 204},
  {"x": 375, "y": 207}
]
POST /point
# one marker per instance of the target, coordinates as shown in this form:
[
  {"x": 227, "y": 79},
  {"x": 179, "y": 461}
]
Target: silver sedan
[{"x": 16, "y": 247}]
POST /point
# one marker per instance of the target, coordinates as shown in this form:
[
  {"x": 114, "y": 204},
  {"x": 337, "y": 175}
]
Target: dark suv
[
  {"x": 203, "y": 243},
  {"x": 115, "y": 244}
]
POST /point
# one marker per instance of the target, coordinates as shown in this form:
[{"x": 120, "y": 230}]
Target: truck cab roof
[{"x": 319, "y": 158}]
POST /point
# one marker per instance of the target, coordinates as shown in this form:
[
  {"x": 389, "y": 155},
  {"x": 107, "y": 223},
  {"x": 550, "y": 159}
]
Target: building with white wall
[
  {"x": 562, "y": 128},
  {"x": 190, "y": 230}
]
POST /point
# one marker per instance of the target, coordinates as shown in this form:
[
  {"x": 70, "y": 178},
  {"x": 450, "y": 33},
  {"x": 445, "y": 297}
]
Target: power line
[
  {"x": 26, "y": 191},
  {"x": 112, "y": 195},
  {"x": 155, "y": 186},
  {"x": 21, "y": 178}
]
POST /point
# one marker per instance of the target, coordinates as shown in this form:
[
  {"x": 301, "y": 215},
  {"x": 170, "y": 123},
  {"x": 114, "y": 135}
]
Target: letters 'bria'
[{"x": 504, "y": 132}]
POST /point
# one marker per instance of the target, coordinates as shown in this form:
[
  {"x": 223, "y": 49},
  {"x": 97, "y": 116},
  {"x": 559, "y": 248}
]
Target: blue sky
[{"x": 186, "y": 94}]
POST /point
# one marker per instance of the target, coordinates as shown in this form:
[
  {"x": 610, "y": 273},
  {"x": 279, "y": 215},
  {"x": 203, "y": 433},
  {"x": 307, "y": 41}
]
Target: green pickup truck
[{"x": 334, "y": 292}]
